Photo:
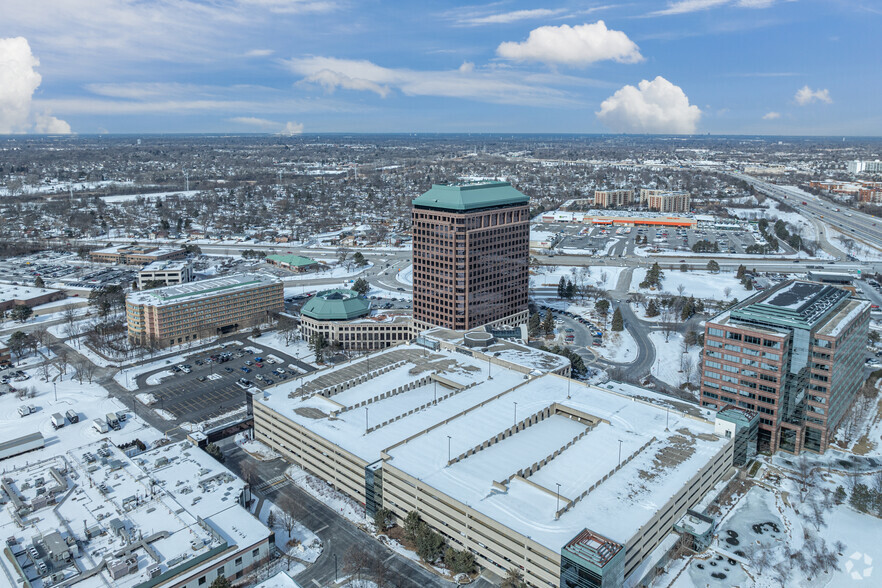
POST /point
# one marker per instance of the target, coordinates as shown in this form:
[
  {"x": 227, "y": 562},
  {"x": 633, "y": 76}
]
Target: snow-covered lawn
[
  {"x": 300, "y": 543},
  {"x": 618, "y": 347},
  {"x": 296, "y": 348},
  {"x": 852, "y": 246},
  {"x": 672, "y": 366},
  {"x": 604, "y": 277},
  {"x": 770, "y": 210},
  {"x": 701, "y": 284}
]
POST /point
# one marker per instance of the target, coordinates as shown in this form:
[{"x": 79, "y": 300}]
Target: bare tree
[
  {"x": 727, "y": 291},
  {"x": 681, "y": 288},
  {"x": 62, "y": 358},
  {"x": 805, "y": 477},
  {"x": 356, "y": 561}
]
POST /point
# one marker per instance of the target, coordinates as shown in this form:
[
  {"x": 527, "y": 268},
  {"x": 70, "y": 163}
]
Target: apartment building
[
  {"x": 858, "y": 166},
  {"x": 613, "y": 198},
  {"x": 470, "y": 256},
  {"x": 207, "y": 308},
  {"x": 167, "y": 272},
  {"x": 794, "y": 354},
  {"x": 345, "y": 318},
  {"x": 534, "y": 472},
  {"x": 136, "y": 254},
  {"x": 665, "y": 200}
]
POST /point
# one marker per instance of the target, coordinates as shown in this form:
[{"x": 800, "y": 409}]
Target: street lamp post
[
  {"x": 558, "y": 497},
  {"x": 55, "y": 388},
  {"x": 335, "y": 567},
  {"x": 365, "y": 419},
  {"x": 515, "y": 413},
  {"x": 448, "y": 448},
  {"x": 620, "y": 452}
]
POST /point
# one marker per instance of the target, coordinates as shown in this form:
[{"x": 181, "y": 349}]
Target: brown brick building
[
  {"x": 136, "y": 254},
  {"x": 794, "y": 354},
  {"x": 470, "y": 256}
]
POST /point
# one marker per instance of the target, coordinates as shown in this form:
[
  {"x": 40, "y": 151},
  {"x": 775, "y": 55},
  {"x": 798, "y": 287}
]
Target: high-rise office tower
[
  {"x": 795, "y": 354},
  {"x": 470, "y": 256}
]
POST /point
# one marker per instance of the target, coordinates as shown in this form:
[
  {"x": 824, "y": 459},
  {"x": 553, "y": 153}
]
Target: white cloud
[
  {"x": 18, "y": 81},
  {"x": 259, "y": 53},
  {"x": 292, "y": 128},
  {"x": 654, "y": 107},
  {"x": 288, "y": 128},
  {"x": 578, "y": 45},
  {"x": 771, "y": 115},
  {"x": 508, "y": 17},
  {"x": 495, "y": 85},
  {"x": 49, "y": 125},
  {"x": 293, "y": 6},
  {"x": 687, "y": 6},
  {"x": 806, "y": 95}
]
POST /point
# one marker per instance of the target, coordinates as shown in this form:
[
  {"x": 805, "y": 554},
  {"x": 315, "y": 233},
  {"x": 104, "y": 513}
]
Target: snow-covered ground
[
  {"x": 151, "y": 197},
  {"x": 700, "y": 283},
  {"x": 254, "y": 448},
  {"x": 297, "y": 348},
  {"x": 336, "y": 271},
  {"x": 672, "y": 366},
  {"x": 604, "y": 277},
  {"x": 852, "y": 246},
  {"x": 618, "y": 347},
  {"x": 300, "y": 543},
  {"x": 770, "y": 210},
  {"x": 405, "y": 276}
]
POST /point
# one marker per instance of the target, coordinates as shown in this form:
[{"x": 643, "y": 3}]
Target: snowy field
[
  {"x": 672, "y": 366},
  {"x": 336, "y": 271},
  {"x": 798, "y": 223},
  {"x": 151, "y": 197},
  {"x": 852, "y": 246},
  {"x": 604, "y": 277},
  {"x": 699, "y": 283},
  {"x": 618, "y": 347}
]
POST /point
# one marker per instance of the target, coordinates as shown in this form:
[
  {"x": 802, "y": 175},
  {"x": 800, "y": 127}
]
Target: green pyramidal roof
[
  {"x": 336, "y": 305},
  {"x": 470, "y": 196}
]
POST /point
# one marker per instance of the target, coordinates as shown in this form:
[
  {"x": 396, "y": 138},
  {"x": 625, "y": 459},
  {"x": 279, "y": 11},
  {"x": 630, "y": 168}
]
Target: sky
[{"x": 769, "y": 67}]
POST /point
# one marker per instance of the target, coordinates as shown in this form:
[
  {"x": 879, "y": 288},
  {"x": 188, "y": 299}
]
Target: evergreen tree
[
  {"x": 741, "y": 271},
  {"x": 534, "y": 324},
  {"x": 39, "y": 283},
  {"x": 748, "y": 284},
  {"x": 713, "y": 266},
  {"x": 221, "y": 582},
  {"x": 688, "y": 309},
  {"x": 361, "y": 286},
  {"x": 617, "y": 322},
  {"x": 318, "y": 345},
  {"x": 548, "y": 323},
  {"x": 602, "y": 306},
  {"x": 358, "y": 259},
  {"x": 570, "y": 290},
  {"x": 561, "y": 287},
  {"x": 652, "y": 310}
]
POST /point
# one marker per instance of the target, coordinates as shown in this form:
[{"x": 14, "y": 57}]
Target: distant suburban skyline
[{"x": 772, "y": 67}]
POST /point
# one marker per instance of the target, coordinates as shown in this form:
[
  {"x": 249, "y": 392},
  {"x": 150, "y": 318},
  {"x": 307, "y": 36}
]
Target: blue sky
[{"x": 668, "y": 66}]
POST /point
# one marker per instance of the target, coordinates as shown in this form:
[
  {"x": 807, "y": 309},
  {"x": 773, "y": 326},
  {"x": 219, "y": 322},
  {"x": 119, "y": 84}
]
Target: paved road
[{"x": 338, "y": 534}]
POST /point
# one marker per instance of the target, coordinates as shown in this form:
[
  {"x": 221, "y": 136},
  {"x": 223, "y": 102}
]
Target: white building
[
  {"x": 169, "y": 272},
  {"x": 94, "y": 517},
  {"x": 857, "y": 166}
]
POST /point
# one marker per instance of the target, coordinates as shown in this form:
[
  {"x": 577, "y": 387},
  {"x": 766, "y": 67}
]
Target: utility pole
[
  {"x": 516, "y": 413},
  {"x": 620, "y": 452},
  {"x": 448, "y": 449}
]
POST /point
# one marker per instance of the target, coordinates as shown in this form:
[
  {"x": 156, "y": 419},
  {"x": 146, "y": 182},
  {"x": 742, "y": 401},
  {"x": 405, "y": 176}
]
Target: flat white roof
[
  {"x": 202, "y": 288},
  {"x": 127, "y": 249},
  {"x": 158, "y": 496},
  {"x": 668, "y": 449},
  {"x": 165, "y": 265},
  {"x": 11, "y": 292}
]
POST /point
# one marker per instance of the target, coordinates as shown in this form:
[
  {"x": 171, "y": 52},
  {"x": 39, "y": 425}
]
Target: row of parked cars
[{"x": 596, "y": 333}]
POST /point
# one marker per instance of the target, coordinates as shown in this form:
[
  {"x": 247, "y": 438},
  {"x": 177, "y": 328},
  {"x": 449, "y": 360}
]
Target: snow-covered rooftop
[
  {"x": 167, "y": 265},
  {"x": 661, "y": 451},
  {"x": 160, "y": 510},
  {"x": 200, "y": 289},
  {"x": 9, "y": 292}
]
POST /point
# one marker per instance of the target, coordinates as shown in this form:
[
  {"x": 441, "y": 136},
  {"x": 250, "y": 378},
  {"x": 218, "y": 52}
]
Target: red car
[{"x": 258, "y": 364}]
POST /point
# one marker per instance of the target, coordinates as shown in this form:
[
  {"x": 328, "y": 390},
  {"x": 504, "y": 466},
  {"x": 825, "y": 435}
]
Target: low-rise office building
[
  {"x": 167, "y": 272},
  {"x": 794, "y": 354},
  {"x": 207, "y": 308},
  {"x": 12, "y": 295},
  {"x": 524, "y": 468},
  {"x": 344, "y": 318},
  {"x": 294, "y": 263},
  {"x": 136, "y": 254},
  {"x": 5, "y": 356}
]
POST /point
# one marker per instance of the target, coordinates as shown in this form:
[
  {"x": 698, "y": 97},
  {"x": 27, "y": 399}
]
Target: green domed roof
[{"x": 336, "y": 305}]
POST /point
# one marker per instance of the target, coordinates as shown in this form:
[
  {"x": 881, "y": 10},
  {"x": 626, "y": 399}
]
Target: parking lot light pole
[{"x": 335, "y": 567}]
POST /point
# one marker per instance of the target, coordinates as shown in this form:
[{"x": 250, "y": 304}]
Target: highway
[{"x": 861, "y": 227}]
